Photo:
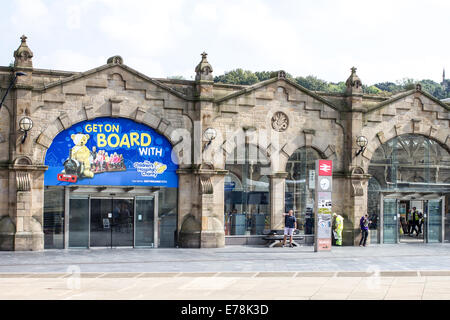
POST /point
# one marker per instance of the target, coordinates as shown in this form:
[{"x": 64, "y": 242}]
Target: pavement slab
[{"x": 235, "y": 272}]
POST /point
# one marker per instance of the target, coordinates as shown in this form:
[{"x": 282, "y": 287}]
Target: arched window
[
  {"x": 300, "y": 184},
  {"x": 247, "y": 210},
  {"x": 410, "y": 161}
]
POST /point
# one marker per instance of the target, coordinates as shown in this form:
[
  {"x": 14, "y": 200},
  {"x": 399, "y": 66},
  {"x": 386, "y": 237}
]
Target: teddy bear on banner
[{"x": 78, "y": 162}]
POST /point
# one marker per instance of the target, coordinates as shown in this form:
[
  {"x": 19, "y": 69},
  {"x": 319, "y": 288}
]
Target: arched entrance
[
  {"x": 110, "y": 182},
  {"x": 409, "y": 188}
]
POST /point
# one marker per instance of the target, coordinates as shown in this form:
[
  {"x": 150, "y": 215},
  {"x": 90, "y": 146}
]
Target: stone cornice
[
  {"x": 23, "y": 167},
  {"x": 202, "y": 171}
]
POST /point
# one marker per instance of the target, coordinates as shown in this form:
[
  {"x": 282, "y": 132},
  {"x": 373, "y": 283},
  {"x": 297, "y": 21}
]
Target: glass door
[
  {"x": 433, "y": 221},
  {"x": 79, "y": 221},
  {"x": 146, "y": 211},
  {"x": 390, "y": 224},
  {"x": 111, "y": 222}
]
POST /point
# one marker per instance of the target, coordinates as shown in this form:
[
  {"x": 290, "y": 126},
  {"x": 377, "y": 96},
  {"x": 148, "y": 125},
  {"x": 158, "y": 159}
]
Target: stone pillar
[
  {"x": 352, "y": 188},
  {"x": 22, "y": 228},
  {"x": 201, "y": 208},
  {"x": 189, "y": 224},
  {"x": 212, "y": 196},
  {"x": 26, "y": 207},
  {"x": 202, "y": 222},
  {"x": 277, "y": 189}
]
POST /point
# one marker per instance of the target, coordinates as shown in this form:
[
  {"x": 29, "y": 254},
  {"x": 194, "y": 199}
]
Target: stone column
[
  {"x": 277, "y": 189},
  {"x": 201, "y": 223},
  {"x": 201, "y": 208},
  {"x": 26, "y": 210},
  {"x": 352, "y": 188}
]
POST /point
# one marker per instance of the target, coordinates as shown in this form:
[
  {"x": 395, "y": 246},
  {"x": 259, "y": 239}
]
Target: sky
[{"x": 385, "y": 40}]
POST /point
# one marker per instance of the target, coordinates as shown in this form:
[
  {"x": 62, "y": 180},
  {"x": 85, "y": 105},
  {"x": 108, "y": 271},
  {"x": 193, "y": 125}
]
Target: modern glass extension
[
  {"x": 88, "y": 217},
  {"x": 410, "y": 173}
]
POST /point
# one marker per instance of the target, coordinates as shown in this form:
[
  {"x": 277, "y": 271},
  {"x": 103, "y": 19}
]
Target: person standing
[
  {"x": 290, "y": 224},
  {"x": 364, "y": 225},
  {"x": 413, "y": 220},
  {"x": 338, "y": 228},
  {"x": 421, "y": 219}
]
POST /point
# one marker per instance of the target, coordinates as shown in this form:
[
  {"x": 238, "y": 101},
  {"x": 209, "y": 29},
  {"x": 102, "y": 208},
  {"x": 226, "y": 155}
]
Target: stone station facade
[{"x": 285, "y": 115}]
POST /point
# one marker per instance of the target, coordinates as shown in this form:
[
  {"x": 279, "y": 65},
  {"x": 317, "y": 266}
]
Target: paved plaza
[{"x": 405, "y": 271}]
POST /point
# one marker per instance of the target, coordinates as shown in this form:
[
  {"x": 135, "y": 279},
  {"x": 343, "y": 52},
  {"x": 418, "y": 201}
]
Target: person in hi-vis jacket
[{"x": 338, "y": 227}]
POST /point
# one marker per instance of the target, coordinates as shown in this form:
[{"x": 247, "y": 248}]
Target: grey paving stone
[
  {"x": 158, "y": 274},
  {"x": 275, "y": 274}
]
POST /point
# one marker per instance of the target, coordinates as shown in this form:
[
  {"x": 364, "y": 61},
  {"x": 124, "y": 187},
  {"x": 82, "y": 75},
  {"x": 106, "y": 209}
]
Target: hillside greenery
[{"x": 247, "y": 77}]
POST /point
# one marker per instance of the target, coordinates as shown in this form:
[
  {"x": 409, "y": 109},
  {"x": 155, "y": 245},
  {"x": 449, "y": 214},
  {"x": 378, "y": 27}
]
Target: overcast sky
[{"x": 385, "y": 40}]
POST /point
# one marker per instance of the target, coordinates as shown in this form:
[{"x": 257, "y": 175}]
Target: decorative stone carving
[
  {"x": 115, "y": 60},
  {"x": 357, "y": 170},
  {"x": 204, "y": 70},
  {"x": 23, "y": 54},
  {"x": 353, "y": 83},
  {"x": 357, "y": 188},
  {"x": 23, "y": 181},
  {"x": 281, "y": 74},
  {"x": 206, "y": 186},
  {"x": 280, "y": 121}
]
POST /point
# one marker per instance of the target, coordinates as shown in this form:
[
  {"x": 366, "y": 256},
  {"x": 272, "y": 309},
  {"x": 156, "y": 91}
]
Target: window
[
  {"x": 247, "y": 197},
  {"x": 300, "y": 185}
]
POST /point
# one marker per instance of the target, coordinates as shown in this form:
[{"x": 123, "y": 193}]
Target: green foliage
[
  {"x": 387, "y": 86},
  {"x": 435, "y": 89},
  {"x": 247, "y": 77},
  {"x": 312, "y": 83},
  {"x": 371, "y": 90},
  {"x": 238, "y": 76},
  {"x": 336, "y": 87}
]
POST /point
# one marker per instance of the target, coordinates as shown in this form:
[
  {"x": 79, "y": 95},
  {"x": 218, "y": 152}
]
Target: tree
[
  {"x": 237, "y": 76},
  {"x": 339, "y": 87},
  {"x": 371, "y": 89},
  {"x": 433, "y": 88},
  {"x": 312, "y": 83},
  {"x": 387, "y": 86},
  {"x": 246, "y": 77}
]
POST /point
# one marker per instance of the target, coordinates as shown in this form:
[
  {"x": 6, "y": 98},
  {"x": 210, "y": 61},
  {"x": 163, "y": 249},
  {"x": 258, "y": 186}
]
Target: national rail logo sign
[
  {"x": 110, "y": 151},
  {"x": 325, "y": 168}
]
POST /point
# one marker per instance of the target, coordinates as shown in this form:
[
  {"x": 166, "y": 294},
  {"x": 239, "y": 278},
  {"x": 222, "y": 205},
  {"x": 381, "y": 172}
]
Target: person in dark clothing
[
  {"x": 413, "y": 220},
  {"x": 364, "y": 225},
  {"x": 290, "y": 224},
  {"x": 420, "y": 224}
]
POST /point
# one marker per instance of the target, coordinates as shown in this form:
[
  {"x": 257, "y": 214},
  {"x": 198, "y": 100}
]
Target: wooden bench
[{"x": 275, "y": 237}]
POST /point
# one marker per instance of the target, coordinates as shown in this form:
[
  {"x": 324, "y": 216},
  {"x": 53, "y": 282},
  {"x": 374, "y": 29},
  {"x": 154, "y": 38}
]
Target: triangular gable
[
  {"x": 86, "y": 74},
  {"x": 262, "y": 84},
  {"x": 406, "y": 94}
]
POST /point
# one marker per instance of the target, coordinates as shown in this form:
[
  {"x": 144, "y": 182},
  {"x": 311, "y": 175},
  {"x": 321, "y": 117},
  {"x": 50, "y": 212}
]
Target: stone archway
[{"x": 66, "y": 121}]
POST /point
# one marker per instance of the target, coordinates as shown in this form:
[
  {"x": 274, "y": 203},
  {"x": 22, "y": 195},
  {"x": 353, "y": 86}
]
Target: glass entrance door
[
  {"x": 145, "y": 232},
  {"x": 112, "y": 222},
  {"x": 434, "y": 221},
  {"x": 390, "y": 224}
]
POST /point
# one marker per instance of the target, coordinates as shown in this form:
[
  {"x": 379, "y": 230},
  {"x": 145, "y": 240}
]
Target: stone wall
[{"x": 284, "y": 115}]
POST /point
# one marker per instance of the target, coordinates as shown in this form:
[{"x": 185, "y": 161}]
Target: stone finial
[
  {"x": 203, "y": 71},
  {"x": 23, "y": 54},
  {"x": 115, "y": 60},
  {"x": 418, "y": 87},
  {"x": 353, "y": 83}
]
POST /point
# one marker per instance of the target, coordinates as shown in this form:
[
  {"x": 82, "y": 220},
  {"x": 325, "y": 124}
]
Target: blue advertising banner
[{"x": 110, "y": 152}]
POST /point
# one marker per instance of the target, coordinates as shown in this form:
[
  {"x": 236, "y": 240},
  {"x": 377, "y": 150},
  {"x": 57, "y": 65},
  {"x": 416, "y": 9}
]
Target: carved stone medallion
[{"x": 280, "y": 121}]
